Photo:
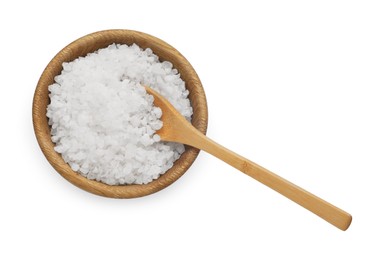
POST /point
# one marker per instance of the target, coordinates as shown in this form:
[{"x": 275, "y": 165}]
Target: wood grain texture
[
  {"x": 89, "y": 44},
  {"x": 177, "y": 129}
]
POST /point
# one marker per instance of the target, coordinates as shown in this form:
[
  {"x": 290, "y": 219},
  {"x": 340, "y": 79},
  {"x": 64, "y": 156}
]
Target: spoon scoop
[{"x": 177, "y": 129}]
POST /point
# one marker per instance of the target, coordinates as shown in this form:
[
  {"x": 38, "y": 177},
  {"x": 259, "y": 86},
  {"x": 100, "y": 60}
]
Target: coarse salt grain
[{"x": 103, "y": 122}]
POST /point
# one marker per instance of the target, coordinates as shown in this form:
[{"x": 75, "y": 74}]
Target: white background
[{"x": 296, "y": 86}]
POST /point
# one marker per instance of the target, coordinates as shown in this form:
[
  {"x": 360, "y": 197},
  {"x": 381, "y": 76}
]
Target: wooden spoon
[{"x": 177, "y": 129}]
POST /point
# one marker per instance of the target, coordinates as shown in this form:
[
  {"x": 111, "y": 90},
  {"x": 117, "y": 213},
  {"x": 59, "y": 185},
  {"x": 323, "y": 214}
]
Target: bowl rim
[{"x": 90, "y": 43}]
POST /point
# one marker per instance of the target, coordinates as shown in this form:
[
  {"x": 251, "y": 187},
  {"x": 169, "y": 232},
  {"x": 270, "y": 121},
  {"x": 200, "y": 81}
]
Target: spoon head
[{"x": 175, "y": 125}]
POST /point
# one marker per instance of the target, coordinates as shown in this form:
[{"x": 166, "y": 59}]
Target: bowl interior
[{"x": 89, "y": 44}]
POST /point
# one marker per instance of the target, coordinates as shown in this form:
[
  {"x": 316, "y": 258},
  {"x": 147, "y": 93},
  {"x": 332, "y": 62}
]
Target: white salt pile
[{"x": 102, "y": 120}]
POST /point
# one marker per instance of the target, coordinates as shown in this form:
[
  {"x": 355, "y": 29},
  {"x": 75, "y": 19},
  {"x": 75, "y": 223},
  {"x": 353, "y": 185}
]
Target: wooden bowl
[{"x": 89, "y": 44}]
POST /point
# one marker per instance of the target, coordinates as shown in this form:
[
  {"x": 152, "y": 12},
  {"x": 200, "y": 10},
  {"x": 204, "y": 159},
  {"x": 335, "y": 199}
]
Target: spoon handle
[{"x": 318, "y": 206}]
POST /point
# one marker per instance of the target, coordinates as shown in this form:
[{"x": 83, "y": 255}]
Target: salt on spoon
[{"x": 177, "y": 129}]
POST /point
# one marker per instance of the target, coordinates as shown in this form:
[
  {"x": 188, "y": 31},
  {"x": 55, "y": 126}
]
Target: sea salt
[{"x": 103, "y": 122}]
